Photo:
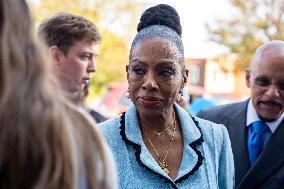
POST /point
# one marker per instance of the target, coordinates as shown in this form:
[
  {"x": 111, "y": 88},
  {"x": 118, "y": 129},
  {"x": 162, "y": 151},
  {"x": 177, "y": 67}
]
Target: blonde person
[
  {"x": 156, "y": 143},
  {"x": 45, "y": 142}
]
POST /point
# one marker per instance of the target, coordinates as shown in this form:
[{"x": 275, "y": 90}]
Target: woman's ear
[
  {"x": 185, "y": 78},
  {"x": 126, "y": 69}
]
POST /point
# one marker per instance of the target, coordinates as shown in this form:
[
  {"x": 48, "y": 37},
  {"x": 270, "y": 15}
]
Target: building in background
[{"x": 214, "y": 82}]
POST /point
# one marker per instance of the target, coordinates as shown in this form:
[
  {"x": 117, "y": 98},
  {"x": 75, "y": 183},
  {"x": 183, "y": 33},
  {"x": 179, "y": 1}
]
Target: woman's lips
[{"x": 150, "y": 101}]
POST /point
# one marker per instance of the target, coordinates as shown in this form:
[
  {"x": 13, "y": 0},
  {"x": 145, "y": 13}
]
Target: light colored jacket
[{"x": 207, "y": 160}]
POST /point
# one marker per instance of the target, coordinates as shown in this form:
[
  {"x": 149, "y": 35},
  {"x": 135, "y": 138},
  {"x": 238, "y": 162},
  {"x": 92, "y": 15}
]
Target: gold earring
[{"x": 180, "y": 96}]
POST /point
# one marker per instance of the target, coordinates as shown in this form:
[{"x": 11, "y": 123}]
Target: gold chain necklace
[
  {"x": 160, "y": 133},
  {"x": 162, "y": 161}
]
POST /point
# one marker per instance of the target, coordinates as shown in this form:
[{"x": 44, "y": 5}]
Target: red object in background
[{"x": 115, "y": 101}]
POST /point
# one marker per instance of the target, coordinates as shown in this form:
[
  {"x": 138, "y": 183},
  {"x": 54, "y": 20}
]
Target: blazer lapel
[
  {"x": 236, "y": 127},
  {"x": 268, "y": 162}
]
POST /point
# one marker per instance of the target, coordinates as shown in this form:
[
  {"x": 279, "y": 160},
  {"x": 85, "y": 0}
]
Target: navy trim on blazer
[
  {"x": 194, "y": 145},
  {"x": 137, "y": 147}
]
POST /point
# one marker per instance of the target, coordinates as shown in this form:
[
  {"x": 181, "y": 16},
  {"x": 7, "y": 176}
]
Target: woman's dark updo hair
[
  {"x": 160, "y": 21},
  {"x": 161, "y": 14}
]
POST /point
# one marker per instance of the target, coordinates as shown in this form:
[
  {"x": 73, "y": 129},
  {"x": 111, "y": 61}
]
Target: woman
[
  {"x": 156, "y": 143},
  {"x": 45, "y": 142}
]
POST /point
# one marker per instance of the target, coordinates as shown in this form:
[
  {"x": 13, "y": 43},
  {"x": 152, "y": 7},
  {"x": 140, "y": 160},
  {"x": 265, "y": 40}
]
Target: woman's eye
[
  {"x": 166, "y": 72},
  {"x": 138, "y": 71}
]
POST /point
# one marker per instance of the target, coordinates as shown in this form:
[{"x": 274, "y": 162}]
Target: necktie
[{"x": 258, "y": 130}]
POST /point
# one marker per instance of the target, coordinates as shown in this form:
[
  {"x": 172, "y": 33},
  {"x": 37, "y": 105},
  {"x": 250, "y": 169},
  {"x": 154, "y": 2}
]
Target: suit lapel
[
  {"x": 236, "y": 126},
  {"x": 269, "y": 160}
]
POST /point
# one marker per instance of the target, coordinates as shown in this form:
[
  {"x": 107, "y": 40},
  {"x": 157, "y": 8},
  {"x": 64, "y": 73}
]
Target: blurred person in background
[
  {"x": 156, "y": 143},
  {"x": 45, "y": 141},
  {"x": 73, "y": 46},
  {"x": 256, "y": 126},
  {"x": 199, "y": 104}
]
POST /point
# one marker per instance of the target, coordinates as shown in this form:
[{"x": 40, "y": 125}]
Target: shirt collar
[
  {"x": 192, "y": 137},
  {"x": 133, "y": 132},
  {"x": 252, "y": 117}
]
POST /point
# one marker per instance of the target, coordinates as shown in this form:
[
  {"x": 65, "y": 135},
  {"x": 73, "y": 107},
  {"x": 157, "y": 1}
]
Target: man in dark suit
[{"x": 256, "y": 126}]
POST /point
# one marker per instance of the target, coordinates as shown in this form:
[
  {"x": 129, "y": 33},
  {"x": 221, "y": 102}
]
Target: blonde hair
[{"x": 45, "y": 142}]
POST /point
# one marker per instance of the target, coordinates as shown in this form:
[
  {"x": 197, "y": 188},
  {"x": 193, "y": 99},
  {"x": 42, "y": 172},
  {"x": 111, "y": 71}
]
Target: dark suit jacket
[
  {"x": 97, "y": 116},
  {"x": 268, "y": 170}
]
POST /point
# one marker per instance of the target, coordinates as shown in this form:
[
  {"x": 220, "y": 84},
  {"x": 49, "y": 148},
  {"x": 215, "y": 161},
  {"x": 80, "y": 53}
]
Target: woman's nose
[{"x": 150, "y": 82}]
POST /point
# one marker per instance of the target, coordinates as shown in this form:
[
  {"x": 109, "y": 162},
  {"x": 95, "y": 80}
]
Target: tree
[
  {"x": 254, "y": 22},
  {"x": 111, "y": 62},
  {"x": 115, "y": 21}
]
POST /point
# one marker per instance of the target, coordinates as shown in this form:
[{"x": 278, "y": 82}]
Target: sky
[{"x": 194, "y": 14}]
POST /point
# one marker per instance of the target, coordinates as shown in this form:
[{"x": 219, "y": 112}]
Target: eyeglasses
[{"x": 265, "y": 82}]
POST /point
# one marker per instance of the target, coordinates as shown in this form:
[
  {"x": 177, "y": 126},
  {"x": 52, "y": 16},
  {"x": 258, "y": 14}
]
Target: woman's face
[{"x": 155, "y": 75}]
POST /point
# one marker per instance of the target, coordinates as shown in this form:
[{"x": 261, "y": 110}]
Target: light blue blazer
[{"x": 207, "y": 160}]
